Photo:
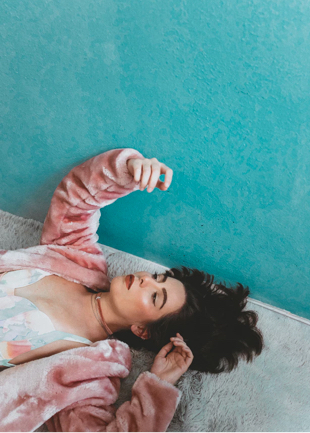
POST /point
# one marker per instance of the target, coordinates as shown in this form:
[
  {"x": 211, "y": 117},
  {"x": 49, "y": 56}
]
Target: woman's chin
[{"x": 118, "y": 284}]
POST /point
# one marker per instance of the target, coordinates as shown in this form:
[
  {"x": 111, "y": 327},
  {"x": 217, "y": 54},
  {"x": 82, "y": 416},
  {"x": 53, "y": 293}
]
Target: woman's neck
[{"x": 111, "y": 318}]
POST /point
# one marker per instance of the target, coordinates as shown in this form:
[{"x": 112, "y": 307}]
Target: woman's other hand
[
  {"x": 147, "y": 172},
  {"x": 171, "y": 366}
]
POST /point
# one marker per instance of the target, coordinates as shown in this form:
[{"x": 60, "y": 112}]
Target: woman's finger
[
  {"x": 155, "y": 167},
  {"x": 177, "y": 339},
  {"x": 182, "y": 346},
  {"x": 137, "y": 166},
  {"x": 146, "y": 173},
  {"x": 179, "y": 343},
  {"x": 164, "y": 350},
  {"x": 168, "y": 175}
]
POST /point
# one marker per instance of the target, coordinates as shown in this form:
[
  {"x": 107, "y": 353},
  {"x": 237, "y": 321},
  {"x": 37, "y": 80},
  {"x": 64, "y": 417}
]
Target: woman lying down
[{"x": 57, "y": 296}]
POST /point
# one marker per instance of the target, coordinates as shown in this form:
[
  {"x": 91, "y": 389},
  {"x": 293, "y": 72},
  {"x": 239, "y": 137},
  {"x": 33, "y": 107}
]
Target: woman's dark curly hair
[{"x": 212, "y": 322}]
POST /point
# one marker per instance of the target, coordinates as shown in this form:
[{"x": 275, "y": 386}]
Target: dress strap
[{"x": 52, "y": 336}]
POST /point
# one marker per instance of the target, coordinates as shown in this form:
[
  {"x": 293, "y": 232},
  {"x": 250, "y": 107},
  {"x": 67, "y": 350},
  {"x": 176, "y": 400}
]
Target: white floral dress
[{"x": 23, "y": 327}]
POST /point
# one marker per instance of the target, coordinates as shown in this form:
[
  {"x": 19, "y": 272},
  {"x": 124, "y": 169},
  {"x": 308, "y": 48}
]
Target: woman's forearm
[{"x": 73, "y": 216}]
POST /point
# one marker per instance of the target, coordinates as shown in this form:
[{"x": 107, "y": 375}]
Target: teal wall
[{"x": 217, "y": 90}]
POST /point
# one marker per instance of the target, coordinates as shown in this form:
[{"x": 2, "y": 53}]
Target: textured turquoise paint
[{"x": 219, "y": 91}]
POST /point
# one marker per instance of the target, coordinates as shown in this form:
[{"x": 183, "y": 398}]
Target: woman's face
[{"x": 148, "y": 299}]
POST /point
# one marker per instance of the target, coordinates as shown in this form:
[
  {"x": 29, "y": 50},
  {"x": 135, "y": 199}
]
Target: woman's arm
[
  {"x": 151, "y": 408},
  {"x": 74, "y": 213},
  {"x": 73, "y": 216},
  {"x": 70, "y": 226},
  {"x": 153, "y": 402},
  {"x": 46, "y": 350},
  {"x": 76, "y": 390}
]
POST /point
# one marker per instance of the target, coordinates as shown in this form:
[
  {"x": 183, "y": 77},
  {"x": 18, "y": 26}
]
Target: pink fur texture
[{"x": 75, "y": 390}]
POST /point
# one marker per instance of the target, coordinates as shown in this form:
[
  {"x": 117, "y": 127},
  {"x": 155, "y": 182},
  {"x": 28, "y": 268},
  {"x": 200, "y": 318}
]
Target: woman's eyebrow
[{"x": 165, "y": 297}]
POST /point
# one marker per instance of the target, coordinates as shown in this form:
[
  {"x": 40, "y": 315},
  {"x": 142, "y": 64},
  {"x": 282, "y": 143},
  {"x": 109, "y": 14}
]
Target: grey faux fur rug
[{"x": 271, "y": 394}]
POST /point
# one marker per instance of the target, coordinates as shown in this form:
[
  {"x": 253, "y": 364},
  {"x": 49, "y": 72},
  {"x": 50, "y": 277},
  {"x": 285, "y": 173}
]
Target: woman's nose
[{"x": 145, "y": 280}]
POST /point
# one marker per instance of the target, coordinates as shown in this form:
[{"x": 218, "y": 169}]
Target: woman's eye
[{"x": 155, "y": 293}]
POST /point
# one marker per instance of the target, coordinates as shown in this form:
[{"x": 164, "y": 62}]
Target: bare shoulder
[{"x": 47, "y": 350}]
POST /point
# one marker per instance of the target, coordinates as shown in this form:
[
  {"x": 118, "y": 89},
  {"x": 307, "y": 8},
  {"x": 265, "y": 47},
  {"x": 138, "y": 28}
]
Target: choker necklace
[{"x": 102, "y": 322}]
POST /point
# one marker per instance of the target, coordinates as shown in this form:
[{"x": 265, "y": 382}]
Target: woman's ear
[{"x": 140, "y": 331}]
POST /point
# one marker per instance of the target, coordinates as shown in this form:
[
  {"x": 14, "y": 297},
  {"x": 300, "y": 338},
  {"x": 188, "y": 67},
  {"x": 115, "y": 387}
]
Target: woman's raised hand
[
  {"x": 147, "y": 172},
  {"x": 171, "y": 366}
]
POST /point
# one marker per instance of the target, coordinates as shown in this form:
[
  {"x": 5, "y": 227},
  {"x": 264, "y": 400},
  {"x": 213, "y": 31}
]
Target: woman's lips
[{"x": 129, "y": 280}]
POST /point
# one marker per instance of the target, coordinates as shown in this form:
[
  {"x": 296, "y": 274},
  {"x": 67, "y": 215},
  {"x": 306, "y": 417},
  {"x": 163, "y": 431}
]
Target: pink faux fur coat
[{"x": 75, "y": 390}]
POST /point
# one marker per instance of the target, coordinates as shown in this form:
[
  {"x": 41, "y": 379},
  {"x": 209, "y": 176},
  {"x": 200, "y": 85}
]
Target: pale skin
[{"x": 65, "y": 302}]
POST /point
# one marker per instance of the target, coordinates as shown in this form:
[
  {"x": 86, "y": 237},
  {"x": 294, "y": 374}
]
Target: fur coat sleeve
[
  {"x": 73, "y": 216},
  {"x": 69, "y": 241},
  {"x": 76, "y": 390}
]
